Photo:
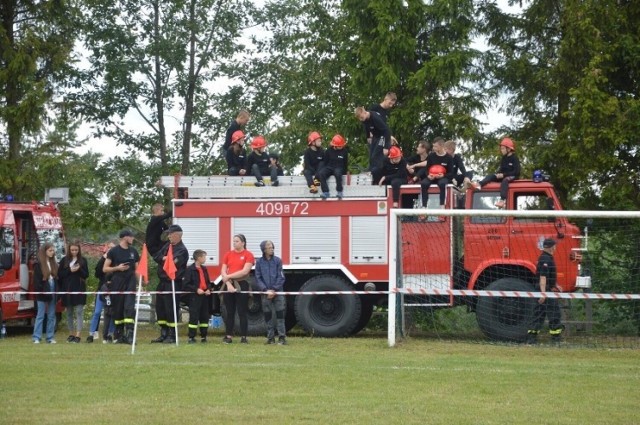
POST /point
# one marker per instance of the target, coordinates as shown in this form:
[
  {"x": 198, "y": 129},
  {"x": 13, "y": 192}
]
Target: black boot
[
  {"x": 163, "y": 335},
  {"x": 129, "y": 335},
  {"x": 119, "y": 337},
  {"x": 171, "y": 336},
  {"x": 203, "y": 335}
]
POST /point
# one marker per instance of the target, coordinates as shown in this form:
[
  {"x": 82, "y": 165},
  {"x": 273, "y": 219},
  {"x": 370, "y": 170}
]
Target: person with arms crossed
[{"x": 236, "y": 266}]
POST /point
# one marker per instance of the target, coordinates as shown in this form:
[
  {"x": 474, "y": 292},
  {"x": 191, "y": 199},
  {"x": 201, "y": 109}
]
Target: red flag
[
  {"x": 169, "y": 266},
  {"x": 143, "y": 269}
]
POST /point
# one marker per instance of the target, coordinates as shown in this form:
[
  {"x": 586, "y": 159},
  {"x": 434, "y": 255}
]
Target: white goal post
[{"x": 506, "y": 240}]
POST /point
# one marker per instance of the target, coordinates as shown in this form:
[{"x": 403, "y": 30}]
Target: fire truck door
[{"x": 486, "y": 237}]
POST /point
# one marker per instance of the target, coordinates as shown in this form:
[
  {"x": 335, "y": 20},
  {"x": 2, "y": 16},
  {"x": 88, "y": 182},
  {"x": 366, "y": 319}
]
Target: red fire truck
[
  {"x": 342, "y": 245},
  {"x": 23, "y": 228}
]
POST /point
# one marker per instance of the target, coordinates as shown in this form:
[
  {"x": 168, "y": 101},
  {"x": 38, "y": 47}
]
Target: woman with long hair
[
  {"x": 45, "y": 276},
  {"x": 73, "y": 272},
  {"x": 236, "y": 266}
]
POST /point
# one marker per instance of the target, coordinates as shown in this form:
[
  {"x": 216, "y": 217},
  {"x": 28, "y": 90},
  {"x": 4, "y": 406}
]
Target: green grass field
[{"x": 315, "y": 381}]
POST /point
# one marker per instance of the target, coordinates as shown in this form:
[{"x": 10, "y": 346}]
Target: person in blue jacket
[{"x": 270, "y": 279}]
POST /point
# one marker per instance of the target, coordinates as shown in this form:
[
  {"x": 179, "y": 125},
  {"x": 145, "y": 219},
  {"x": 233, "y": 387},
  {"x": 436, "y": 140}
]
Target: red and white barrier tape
[{"x": 406, "y": 291}]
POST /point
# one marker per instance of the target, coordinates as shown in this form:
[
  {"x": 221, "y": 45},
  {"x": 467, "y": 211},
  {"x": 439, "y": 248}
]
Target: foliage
[
  {"x": 154, "y": 59},
  {"x": 327, "y": 57},
  {"x": 35, "y": 48},
  {"x": 568, "y": 69}
]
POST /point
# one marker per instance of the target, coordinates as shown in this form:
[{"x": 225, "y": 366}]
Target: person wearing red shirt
[{"x": 236, "y": 266}]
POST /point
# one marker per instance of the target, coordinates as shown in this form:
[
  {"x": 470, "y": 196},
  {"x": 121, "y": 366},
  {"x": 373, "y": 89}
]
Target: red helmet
[
  {"x": 508, "y": 143},
  {"x": 338, "y": 141},
  {"x": 258, "y": 142},
  {"x": 395, "y": 152},
  {"x": 437, "y": 169},
  {"x": 313, "y": 136},
  {"x": 237, "y": 136}
]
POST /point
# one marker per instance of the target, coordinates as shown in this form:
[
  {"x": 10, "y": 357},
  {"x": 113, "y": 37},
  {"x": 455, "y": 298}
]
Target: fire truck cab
[
  {"x": 23, "y": 228},
  {"x": 342, "y": 245}
]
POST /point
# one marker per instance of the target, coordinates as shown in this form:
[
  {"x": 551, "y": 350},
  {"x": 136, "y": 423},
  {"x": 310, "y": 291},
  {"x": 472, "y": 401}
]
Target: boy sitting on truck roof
[{"x": 509, "y": 170}]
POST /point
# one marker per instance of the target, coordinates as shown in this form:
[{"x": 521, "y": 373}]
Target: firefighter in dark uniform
[
  {"x": 156, "y": 227},
  {"x": 165, "y": 305},
  {"x": 122, "y": 261},
  {"x": 549, "y": 307}
]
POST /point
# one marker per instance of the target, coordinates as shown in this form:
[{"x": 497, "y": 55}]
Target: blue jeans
[
  {"x": 48, "y": 308},
  {"x": 95, "y": 320}
]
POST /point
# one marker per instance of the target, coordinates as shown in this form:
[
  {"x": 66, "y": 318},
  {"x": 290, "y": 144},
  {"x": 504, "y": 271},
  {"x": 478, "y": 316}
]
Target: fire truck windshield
[{"x": 55, "y": 237}]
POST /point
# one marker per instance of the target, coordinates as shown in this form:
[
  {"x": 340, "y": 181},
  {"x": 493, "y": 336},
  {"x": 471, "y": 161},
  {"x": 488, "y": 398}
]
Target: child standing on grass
[
  {"x": 109, "y": 326},
  {"x": 509, "y": 170},
  {"x": 336, "y": 161},
  {"x": 103, "y": 278},
  {"x": 196, "y": 280}
]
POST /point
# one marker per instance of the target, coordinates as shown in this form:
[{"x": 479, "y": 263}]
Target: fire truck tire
[
  {"x": 328, "y": 315},
  {"x": 365, "y": 313},
  {"x": 290, "y": 318},
  {"x": 506, "y": 318}
]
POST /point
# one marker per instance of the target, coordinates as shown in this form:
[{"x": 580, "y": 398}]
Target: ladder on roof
[{"x": 239, "y": 187}]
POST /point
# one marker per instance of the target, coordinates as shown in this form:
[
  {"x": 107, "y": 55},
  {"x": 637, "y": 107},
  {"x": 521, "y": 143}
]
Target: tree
[
  {"x": 35, "y": 45},
  {"x": 155, "y": 59},
  {"x": 570, "y": 70}
]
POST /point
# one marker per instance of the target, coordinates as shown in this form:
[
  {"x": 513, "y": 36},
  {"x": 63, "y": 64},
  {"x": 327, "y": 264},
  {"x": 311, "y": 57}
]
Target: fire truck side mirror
[{"x": 6, "y": 260}]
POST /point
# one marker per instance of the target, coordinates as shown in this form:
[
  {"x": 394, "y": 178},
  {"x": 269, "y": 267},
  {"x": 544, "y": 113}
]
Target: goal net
[{"x": 473, "y": 274}]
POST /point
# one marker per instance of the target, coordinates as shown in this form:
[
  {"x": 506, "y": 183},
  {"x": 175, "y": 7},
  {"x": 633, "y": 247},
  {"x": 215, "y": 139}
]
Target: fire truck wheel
[
  {"x": 365, "y": 313},
  {"x": 506, "y": 318},
  {"x": 328, "y": 315}
]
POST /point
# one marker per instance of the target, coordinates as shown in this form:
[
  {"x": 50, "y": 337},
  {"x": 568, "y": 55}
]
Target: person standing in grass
[
  {"x": 196, "y": 280},
  {"x": 122, "y": 261},
  {"x": 104, "y": 278},
  {"x": 549, "y": 307},
  {"x": 236, "y": 266},
  {"x": 270, "y": 279},
  {"x": 73, "y": 272},
  {"x": 45, "y": 277},
  {"x": 168, "y": 307}
]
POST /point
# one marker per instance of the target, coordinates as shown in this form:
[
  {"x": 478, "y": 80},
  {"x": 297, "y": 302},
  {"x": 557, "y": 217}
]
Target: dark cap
[
  {"x": 174, "y": 228},
  {"x": 124, "y": 233},
  {"x": 274, "y": 155},
  {"x": 548, "y": 243}
]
